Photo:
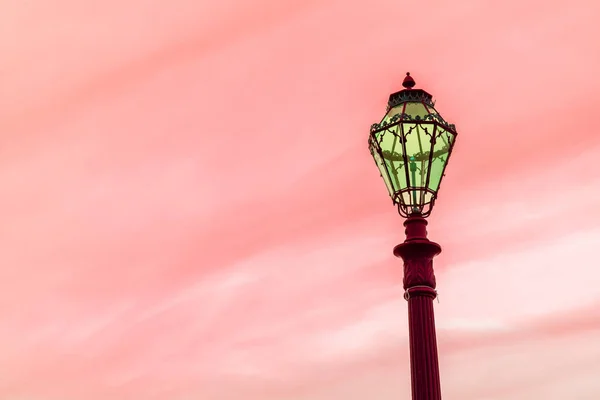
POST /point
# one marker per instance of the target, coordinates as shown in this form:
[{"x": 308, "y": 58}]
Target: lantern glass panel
[
  {"x": 416, "y": 110},
  {"x": 443, "y": 142},
  {"x": 383, "y": 171},
  {"x": 418, "y": 148},
  {"x": 390, "y": 144}
]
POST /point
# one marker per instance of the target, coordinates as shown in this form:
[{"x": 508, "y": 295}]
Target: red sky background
[{"x": 189, "y": 209}]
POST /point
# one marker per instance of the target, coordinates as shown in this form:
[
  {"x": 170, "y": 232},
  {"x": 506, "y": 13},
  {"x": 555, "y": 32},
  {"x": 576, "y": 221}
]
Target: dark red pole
[{"x": 417, "y": 252}]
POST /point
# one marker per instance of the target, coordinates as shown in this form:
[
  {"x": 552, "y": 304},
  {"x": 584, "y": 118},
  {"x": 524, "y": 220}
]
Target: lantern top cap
[
  {"x": 409, "y": 94},
  {"x": 408, "y": 82}
]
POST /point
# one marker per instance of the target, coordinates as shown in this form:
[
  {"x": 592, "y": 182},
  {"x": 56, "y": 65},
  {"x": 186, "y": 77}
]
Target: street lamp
[{"x": 411, "y": 147}]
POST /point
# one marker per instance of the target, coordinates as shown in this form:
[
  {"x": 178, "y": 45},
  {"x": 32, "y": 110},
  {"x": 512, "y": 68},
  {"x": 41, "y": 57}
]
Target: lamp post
[{"x": 411, "y": 147}]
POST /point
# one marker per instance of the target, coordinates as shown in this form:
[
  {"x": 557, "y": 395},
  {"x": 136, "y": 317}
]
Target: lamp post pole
[{"x": 418, "y": 252}]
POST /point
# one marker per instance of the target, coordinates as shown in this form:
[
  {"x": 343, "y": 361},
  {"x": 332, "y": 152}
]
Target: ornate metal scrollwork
[
  {"x": 414, "y": 95},
  {"x": 403, "y": 117}
]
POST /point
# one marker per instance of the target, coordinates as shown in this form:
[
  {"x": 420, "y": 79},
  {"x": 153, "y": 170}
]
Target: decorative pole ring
[{"x": 428, "y": 289}]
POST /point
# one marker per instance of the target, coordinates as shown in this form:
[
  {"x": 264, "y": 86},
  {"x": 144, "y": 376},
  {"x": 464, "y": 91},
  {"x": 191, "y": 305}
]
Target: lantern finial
[{"x": 409, "y": 82}]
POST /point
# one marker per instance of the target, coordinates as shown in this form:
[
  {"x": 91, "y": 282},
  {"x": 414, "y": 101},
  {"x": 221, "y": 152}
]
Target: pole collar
[{"x": 420, "y": 290}]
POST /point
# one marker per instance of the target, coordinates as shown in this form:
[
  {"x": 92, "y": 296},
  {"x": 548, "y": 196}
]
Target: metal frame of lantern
[{"x": 411, "y": 197}]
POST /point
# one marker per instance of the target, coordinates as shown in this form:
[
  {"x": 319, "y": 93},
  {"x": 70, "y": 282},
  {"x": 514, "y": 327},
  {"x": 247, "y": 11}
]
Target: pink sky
[{"x": 189, "y": 209}]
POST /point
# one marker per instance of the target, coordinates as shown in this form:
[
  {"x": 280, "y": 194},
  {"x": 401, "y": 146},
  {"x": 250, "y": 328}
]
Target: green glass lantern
[{"x": 411, "y": 147}]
